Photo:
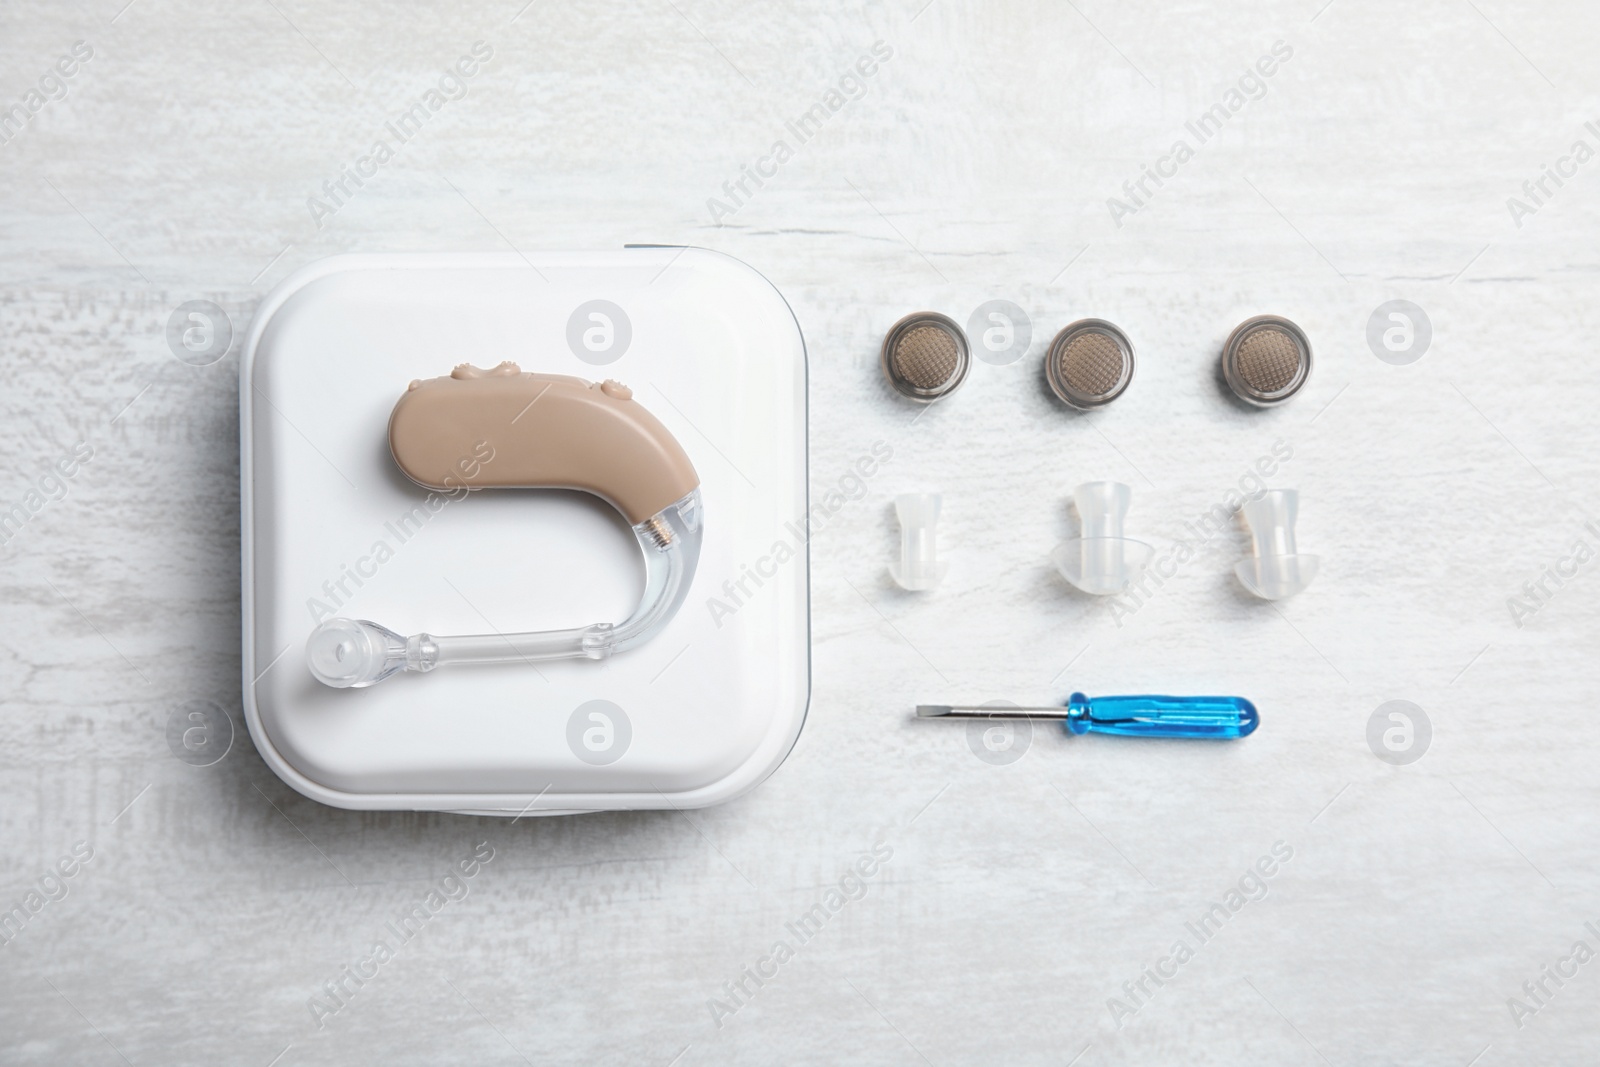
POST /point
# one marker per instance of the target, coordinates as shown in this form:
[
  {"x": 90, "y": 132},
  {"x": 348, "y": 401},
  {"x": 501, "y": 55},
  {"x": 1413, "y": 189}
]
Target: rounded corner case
[{"x": 289, "y": 722}]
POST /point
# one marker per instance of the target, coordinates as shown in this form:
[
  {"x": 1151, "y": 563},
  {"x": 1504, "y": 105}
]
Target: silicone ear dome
[
  {"x": 1102, "y": 561},
  {"x": 920, "y": 568},
  {"x": 351, "y": 653},
  {"x": 1277, "y": 570}
]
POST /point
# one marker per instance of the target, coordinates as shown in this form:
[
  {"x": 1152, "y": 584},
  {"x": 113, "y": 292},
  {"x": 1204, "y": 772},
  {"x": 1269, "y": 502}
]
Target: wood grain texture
[{"x": 974, "y": 163}]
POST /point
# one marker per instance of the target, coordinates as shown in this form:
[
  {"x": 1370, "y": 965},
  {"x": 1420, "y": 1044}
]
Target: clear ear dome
[
  {"x": 1276, "y": 577},
  {"x": 1102, "y": 561},
  {"x": 1101, "y": 566},
  {"x": 351, "y": 653},
  {"x": 919, "y": 568},
  {"x": 1277, "y": 570}
]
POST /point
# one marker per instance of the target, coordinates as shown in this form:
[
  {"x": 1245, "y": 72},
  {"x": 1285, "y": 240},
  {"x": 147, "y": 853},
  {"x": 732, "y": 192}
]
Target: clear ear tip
[
  {"x": 1276, "y": 577},
  {"x": 1102, "y": 566},
  {"x": 1102, "y": 561},
  {"x": 919, "y": 568},
  {"x": 1277, "y": 569},
  {"x": 350, "y": 653}
]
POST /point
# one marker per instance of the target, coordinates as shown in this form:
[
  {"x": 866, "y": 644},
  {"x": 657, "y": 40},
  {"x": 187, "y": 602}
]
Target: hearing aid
[{"x": 548, "y": 431}]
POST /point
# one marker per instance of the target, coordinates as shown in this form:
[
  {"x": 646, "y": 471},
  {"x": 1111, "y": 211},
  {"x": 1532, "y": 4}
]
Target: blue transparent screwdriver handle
[{"x": 1161, "y": 716}]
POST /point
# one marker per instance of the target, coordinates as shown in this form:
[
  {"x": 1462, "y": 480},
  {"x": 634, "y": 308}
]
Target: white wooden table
[{"x": 1013, "y": 908}]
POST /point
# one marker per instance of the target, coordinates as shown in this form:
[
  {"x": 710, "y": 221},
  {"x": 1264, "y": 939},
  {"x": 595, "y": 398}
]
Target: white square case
[{"x": 702, "y": 712}]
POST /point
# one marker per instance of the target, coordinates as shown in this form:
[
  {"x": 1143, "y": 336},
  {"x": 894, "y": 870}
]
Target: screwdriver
[{"x": 1220, "y": 718}]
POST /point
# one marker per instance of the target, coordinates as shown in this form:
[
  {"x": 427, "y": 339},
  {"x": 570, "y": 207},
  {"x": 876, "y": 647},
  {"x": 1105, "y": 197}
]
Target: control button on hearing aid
[
  {"x": 466, "y": 372},
  {"x": 1090, "y": 363},
  {"x": 616, "y": 389},
  {"x": 1266, "y": 360},
  {"x": 925, "y": 356}
]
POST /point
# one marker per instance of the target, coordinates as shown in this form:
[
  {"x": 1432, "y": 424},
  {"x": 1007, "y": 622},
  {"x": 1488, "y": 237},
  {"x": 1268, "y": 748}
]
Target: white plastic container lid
[{"x": 701, "y": 713}]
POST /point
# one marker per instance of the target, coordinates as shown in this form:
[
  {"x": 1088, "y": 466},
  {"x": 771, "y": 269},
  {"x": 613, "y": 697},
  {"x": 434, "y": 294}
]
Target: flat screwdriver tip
[{"x": 932, "y": 711}]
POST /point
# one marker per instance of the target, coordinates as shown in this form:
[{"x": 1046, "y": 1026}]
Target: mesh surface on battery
[
  {"x": 925, "y": 356},
  {"x": 1091, "y": 364},
  {"x": 1268, "y": 359}
]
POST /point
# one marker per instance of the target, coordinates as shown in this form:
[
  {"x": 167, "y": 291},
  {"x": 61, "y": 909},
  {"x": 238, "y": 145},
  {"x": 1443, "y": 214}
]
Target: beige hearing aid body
[{"x": 548, "y": 431}]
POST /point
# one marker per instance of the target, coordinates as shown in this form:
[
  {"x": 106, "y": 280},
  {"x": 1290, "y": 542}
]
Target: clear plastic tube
[{"x": 352, "y": 653}]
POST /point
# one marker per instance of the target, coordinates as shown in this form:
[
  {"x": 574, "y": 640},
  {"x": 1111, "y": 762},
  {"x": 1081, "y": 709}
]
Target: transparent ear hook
[{"x": 352, "y": 653}]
